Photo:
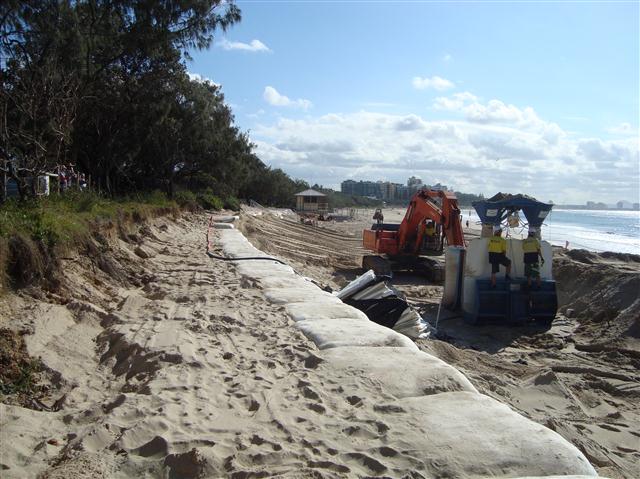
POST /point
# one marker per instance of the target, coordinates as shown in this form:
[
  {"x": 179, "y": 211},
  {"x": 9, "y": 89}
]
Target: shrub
[
  {"x": 209, "y": 201},
  {"x": 156, "y": 198},
  {"x": 232, "y": 203},
  {"x": 25, "y": 263},
  {"x": 186, "y": 199},
  {"x": 86, "y": 204}
]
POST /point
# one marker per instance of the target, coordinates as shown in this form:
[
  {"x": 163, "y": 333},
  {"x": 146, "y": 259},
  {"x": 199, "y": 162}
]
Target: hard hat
[{"x": 497, "y": 228}]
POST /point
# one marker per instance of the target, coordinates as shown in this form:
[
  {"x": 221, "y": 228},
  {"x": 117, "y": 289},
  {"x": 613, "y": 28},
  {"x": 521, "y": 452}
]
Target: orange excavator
[{"x": 432, "y": 217}]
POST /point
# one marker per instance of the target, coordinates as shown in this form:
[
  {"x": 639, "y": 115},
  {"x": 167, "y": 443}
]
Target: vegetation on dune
[
  {"x": 31, "y": 231},
  {"x": 58, "y": 218}
]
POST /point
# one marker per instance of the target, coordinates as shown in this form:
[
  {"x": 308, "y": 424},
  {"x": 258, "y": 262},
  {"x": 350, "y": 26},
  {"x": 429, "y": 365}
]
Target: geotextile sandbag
[
  {"x": 467, "y": 434},
  {"x": 222, "y": 226},
  {"x": 311, "y": 310},
  {"x": 293, "y": 281},
  {"x": 298, "y": 295},
  {"x": 401, "y": 372},
  {"x": 266, "y": 268},
  {"x": 333, "y": 333},
  {"x": 224, "y": 219}
]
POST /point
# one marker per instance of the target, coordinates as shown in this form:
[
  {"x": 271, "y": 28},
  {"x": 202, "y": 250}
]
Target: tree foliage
[{"x": 102, "y": 84}]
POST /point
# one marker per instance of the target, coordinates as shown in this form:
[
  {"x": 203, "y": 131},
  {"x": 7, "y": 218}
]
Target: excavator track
[
  {"x": 380, "y": 266},
  {"x": 432, "y": 270}
]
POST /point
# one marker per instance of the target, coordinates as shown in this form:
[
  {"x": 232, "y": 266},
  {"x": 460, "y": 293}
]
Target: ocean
[{"x": 594, "y": 230}]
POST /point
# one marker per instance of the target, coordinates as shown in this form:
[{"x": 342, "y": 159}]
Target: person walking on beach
[
  {"x": 378, "y": 216},
  {"x": 532, "y": 253},
  {"x": 498, "y": 255}
]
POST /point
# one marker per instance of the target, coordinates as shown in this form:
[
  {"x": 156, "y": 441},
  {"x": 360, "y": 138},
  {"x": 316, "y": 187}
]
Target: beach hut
[{"x": 311, "y": 201}]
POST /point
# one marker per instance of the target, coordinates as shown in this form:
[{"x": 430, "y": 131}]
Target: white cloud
[
  {"x": 435, "y": 82},
  {"x": 515, "y": 151},
  {"x": 253, "y": 46},
  {"x": 497, "y": 112},
  {"x": 201, "y": 79},
  {"x": 623, "y": 129},
  {"x": 274, "y": 98},
  {"x": 454, "y": 102},
  {"x": 447, "y": 58}
]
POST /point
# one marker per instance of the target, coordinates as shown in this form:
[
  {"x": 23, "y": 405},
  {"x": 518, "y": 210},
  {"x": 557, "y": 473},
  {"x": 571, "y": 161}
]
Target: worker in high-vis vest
[
  {"x": 532, "y": 253},
  {"x": 498, "y": 255},
  {"x": 430, "y": 232}
]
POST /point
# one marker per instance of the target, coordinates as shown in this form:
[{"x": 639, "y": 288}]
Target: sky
[{"x": 540, "y": 98}]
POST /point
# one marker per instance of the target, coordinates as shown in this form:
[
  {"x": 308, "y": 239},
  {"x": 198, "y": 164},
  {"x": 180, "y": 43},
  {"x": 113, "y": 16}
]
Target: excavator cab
[{"x": 432, "y": 218}]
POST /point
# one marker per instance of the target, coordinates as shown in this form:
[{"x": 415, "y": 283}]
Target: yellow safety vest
[
  {"x": 497, "y": 244},
  {"x": 531, "y": 245}
]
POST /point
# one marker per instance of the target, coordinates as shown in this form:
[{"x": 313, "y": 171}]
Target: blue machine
[
  {"x": 513, "y": 301},
  {"x": 496, "y": 209}
]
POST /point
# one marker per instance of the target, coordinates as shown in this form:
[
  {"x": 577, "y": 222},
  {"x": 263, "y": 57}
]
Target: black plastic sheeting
[
  {"x": 383, "y": 311},
  {"x": 386, "y": 309}
]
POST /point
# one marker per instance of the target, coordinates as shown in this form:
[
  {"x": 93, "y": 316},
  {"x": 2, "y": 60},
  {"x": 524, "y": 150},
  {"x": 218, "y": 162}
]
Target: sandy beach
[
  {"x": 579, "y": 378},
  {"x": 162, "y": 362}
]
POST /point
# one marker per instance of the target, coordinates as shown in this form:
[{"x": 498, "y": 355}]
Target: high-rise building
[
  {"x": 439, "y": 187},
  {"x": 362, "y": 188},
  {"x": 348, "y": 187},
  {"x": 388, "y": 191},
  {"x": 414, "y": 182}
]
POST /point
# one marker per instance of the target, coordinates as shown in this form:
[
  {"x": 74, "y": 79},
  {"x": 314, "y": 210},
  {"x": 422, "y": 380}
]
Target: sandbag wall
[{"x": 449, "y": 422}]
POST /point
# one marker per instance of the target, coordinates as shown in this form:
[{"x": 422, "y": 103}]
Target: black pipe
[{"x": 213, "y": 256}]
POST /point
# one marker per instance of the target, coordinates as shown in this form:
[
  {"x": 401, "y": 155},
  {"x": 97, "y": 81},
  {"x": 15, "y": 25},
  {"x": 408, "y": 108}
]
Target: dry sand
[
  {"x": 161, "y": 362},
  {"x": 580, "y": 377}
]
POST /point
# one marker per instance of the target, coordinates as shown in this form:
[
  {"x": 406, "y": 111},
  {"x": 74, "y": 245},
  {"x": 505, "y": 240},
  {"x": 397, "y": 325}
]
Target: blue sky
[{"x": 534, "y": 97}]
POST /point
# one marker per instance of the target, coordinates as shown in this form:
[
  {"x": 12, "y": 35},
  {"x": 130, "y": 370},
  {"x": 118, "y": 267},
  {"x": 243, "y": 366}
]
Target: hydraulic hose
[
  {"x": 266, "y": 258},
  {"x": 224, "y": 258}
]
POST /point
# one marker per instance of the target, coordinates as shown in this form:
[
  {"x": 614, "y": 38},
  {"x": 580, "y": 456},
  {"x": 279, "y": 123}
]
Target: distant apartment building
[
  {"x": 439, "y": 187},
  {"x": 414, "y": 182},
  {"x": 386, "y": 190},
  {"x": 624, "y": 205},
  {"x": 362, "y": 188},
  {"x": 402, "y": 192}
]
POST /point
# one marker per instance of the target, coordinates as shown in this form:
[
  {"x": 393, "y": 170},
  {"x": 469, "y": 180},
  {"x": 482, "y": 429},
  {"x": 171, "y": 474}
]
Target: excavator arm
[{"x": 423, "y": 206}]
